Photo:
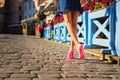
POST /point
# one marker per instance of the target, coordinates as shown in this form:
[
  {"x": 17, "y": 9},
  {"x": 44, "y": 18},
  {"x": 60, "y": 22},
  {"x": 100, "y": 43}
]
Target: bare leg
[
  {"x": 71, "y": 25},
  {"x": 68, "y": 20},
  {"x": 80, "y": 48},
  {"x": 74, "y": 22}
]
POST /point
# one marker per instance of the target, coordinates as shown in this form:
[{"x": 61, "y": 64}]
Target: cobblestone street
[{"x": 30, "y": 58}]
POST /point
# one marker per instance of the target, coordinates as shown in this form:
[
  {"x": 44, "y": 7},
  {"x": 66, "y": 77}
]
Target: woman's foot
[
  {"x": 81, "y": 51},
  {"x": 70, "y": 53}
]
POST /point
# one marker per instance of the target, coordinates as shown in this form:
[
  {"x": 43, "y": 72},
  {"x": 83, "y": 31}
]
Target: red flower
[
  {"x": 96, "y": 0},
  {"x": 38, "y": 29},
  {"x": 86, "y": 8},
  {"x": 91, "y": 8},
  {"x": 96, "y": 4},
  {"x": 92, "y": 3},
  {"x": 104, "y": 4},
  {"x": 57, "y": 19}
]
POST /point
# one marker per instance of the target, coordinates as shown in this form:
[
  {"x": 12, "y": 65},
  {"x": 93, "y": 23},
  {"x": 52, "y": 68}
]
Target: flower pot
[
  {"x": 24, "y": 31},
  {"x": 38, "y": 34}
]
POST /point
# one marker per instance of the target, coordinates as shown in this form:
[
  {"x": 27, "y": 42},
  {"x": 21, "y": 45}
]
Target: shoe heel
[
  {"x": 70, "y": 54},
  {"x": 81, "y": 52}
]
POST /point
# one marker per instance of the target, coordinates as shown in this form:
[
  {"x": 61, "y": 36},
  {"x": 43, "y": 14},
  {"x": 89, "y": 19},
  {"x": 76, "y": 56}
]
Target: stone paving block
[
  {"x": 117, "y": 79},
  {"x": 99, "y": 76},
  {"x": 1, "y": 79},
  {"x": 4, "y": 75},
  {"x": 33, "y": 60},
  {"x": 21, "y": 72},
  {"x": 73, "y": 79},
  {"x": 115, "y": 76},
  {"x": 72, "y": 72},
  {"x": 106, "y": 69},
  {"x": 49, "y": 75},
  {"x": 52, "y": 61},
  {"x": 50, "y": 69},
  {"x": 27, "y": 56},
  {"x": 51, "y": 64},
  {"x": 69, "y": 64},
  {"x": 15, "y": 65},
  {"x": 108, "y": 73},
  {"x": 30, "y": 68},
  {"x": 99, "y": 79},
  {"x": 45, "y": 72},
  {"x": 1, "y": 55},
  {"x": 12, "y": 55},
  {"x": 5, "y": 61},
  {"x": 46, "y": 79},
  {"x": 91, "y": 70},
  {"x": 35, "y": 72},
  {"x": 39, "y": 65},
  {"x": 11, "y": 58},
  {"x": 8, "y": 70},
  {"x": 15, "y": 61},
  {"x": 17, "y": 79},
  {"x": 69, "y": 75},
  {"x": 2, "y": 69},
  {"x": 82, "y": 75},
  {"x": 23, "y": 75},
  {"x": 70, "y": 68},
  {"x": 11, "y": 71}
]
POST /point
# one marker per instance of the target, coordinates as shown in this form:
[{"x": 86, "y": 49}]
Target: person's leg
[
  {"x": 74, "y": 18},
  {"x": 74, "y": 24},
  {"x": 68, "y": 17},
  {"x": 68, "y": 20},
  {"x": 80, "y": 47}
]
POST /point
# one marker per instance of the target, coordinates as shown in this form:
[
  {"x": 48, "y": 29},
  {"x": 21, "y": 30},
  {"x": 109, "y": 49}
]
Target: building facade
[
  {"x": 1, "y": 22},
  {"x": 15, "y": 12},
  {"x": 2, "y": 9},
  {"x": 2, "y": 2},
  {"x": 31, "y": 7}
]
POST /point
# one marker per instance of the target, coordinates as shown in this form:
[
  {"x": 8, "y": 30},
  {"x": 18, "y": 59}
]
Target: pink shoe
[
  {"x": 70, "y": 53},
  {"x": 81, "y": 51}
]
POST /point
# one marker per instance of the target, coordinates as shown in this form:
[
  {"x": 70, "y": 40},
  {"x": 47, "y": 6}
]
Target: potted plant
[{"x": 24, "y": 28}]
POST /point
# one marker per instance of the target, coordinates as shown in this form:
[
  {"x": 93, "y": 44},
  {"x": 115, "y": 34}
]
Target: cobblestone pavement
[{"x": 29, "y": 58}]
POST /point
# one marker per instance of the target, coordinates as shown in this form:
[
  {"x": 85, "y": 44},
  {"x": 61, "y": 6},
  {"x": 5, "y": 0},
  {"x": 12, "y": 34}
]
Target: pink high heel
[
  {"x": 70, "y": 53},
  {"x": 81, "y": 51}
]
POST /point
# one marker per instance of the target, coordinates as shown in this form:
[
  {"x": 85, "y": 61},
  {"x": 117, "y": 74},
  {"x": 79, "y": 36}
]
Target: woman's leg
[
  {"x": 80, "y": 48},
  {"x": 74, "y": 18},
  {"x": 68, "y": 20}
]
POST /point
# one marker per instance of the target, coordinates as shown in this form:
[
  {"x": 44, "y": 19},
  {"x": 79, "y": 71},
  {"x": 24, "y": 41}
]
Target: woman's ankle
[
  {"x": 77, "y": 45},
  {"x": 71, "y": 47}
]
